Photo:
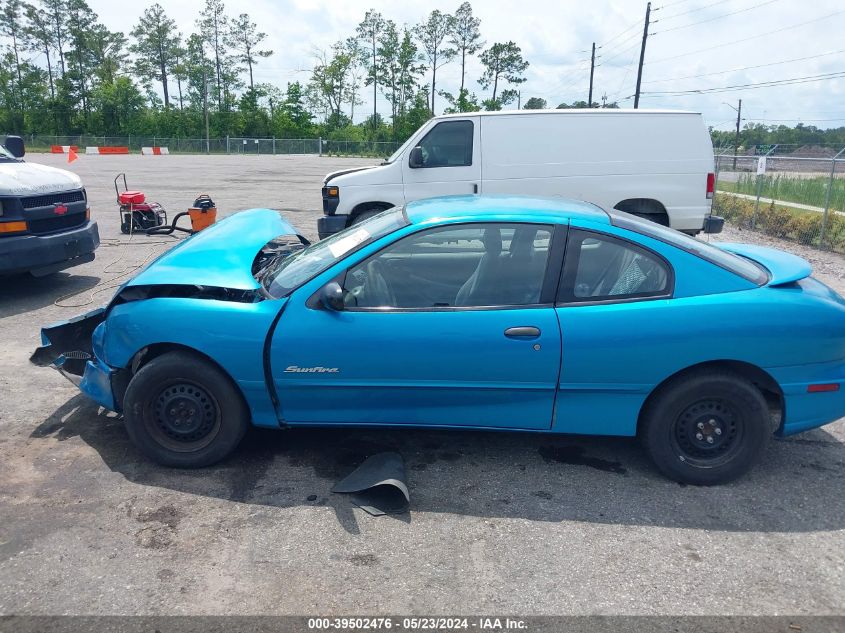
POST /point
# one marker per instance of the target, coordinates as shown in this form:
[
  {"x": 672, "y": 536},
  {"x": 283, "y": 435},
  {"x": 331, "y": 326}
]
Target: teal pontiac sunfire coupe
[{"x": 500, "y": 313}]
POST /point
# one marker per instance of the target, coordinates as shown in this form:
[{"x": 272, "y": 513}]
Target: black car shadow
[
  {"x": 25, "y": 293},
  {"x": 797, "y": 487}
]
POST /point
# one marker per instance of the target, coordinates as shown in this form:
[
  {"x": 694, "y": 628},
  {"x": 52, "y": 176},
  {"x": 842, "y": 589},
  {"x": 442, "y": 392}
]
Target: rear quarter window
[{"x": 740, "y": 266}]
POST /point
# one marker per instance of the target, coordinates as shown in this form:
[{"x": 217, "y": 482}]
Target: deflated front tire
[{"x": 181, "y": 410}]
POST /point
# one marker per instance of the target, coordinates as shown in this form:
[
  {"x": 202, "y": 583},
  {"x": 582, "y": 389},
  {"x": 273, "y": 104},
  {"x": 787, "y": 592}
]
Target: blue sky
[{"x": 695, "y": 45}]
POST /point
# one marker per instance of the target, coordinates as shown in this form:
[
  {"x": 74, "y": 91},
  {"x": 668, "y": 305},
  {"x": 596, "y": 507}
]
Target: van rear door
[{"x": 449, "y": 161}]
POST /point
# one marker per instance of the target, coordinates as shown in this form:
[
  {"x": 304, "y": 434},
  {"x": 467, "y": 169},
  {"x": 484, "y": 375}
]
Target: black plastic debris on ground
[{"x": 379, "y": 485}]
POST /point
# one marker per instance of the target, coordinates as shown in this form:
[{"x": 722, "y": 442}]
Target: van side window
[{"x": 448, "y": 144}]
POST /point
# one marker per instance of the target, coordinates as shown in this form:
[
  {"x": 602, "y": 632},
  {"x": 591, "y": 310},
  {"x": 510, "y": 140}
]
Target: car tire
[
  {"x": 707, "y": 428},
  {"x": 365, "y": 215},
  {"x": 183, "y": 411}
]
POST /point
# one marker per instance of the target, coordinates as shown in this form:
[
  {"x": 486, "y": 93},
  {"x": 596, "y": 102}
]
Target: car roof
[{"x": 502, "y": 208}]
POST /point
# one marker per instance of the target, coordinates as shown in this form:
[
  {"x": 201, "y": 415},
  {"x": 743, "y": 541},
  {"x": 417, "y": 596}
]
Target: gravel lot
[{"x": 499, "y": 523}]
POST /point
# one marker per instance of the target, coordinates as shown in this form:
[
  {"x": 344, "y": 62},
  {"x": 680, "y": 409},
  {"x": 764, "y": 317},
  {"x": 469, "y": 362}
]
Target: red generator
[{"x": 136, "y": 214}]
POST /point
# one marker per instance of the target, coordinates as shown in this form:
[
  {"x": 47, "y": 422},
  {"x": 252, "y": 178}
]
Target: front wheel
[
  {"x": 706, "y": 428},
  {"x": 365, "y": 215},
  {"x": 181, "y": 410}
]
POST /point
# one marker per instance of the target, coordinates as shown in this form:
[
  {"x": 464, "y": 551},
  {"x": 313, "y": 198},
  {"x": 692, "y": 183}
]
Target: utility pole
[
  {"x": 592, "y": 70},
  {"x": 519, "y": 99},
  {"x": 738, "y": 119},
  {"x": 642, "y": 56},
  {"x": 736, "y": 139},
  {"x": 205, "y": 107}
]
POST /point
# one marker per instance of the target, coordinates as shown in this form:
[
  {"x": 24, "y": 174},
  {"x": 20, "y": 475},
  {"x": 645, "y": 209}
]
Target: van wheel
[
  {"x": 366, "y": 215},
  {"x": 183, "y": 411},
  {"x": 706, "y": 428},
  {"x": 658, "y": 218}
]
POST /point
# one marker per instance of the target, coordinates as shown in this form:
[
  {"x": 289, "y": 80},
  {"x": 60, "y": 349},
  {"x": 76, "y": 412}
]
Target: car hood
[
  {"x": 32, "y": 179},
  {"x": 783, "y": 267},
  {"x": 221, "y": 255}
]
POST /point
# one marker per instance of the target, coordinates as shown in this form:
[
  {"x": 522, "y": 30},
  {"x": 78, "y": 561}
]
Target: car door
[
  {"x": 451, "y": 161},
  {"x": 453, "y": 326},
  {"x": 615, "y": 327}
]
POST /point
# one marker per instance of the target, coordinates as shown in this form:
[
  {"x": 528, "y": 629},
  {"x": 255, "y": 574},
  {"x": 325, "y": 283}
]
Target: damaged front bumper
[{"x": 71, "y": 347}]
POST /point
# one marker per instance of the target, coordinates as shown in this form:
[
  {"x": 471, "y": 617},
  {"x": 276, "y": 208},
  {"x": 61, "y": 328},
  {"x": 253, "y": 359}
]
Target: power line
[
  {"x": 745, "y": 39},
  {"x": 799, "y": 119},
  {"x": 707, "y": 6},
  {"x": 671, "y": 4},
  {"x": 718, "y": 17},
  {"x": 625, "y": 76},
  {"x": 732, "y": 70},
  {"x": 762, "y": 84},
  {"x": 634, "y": 35},
  {"x": 622, "y": 52},
  {"x": 603, "y": 44}
]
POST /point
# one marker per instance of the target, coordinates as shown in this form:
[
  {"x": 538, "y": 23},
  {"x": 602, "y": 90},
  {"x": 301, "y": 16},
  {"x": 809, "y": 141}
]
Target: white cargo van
[{"x": 654, "y": 163}]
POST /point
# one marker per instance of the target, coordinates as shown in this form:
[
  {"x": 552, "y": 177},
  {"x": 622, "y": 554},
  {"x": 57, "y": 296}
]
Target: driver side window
[
  {"x": 448, "y": 144},
  {"x": 474, "y": 265}
]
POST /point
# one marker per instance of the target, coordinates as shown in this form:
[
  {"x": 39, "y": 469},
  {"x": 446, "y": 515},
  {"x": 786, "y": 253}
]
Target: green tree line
[
  {"x": 753, "y": 134},
  {"x": 62, "y": 72}
]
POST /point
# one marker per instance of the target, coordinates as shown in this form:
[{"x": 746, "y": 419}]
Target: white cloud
[{"x": 556, "y": 35}]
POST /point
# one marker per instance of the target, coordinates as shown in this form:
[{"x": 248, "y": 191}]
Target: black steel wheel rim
[
  {"x": 708, "y": 433},
  {"x": 184, "y": 416}
]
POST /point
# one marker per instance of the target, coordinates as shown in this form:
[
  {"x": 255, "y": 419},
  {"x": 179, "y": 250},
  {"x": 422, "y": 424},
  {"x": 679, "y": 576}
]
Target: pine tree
[
  {"x": 432, "y": 35},
  {"x": 244, "y": 38},
  {"x": 465, "y": 36},
  {"x": 502, "y": 62},
  {"x": 155, "y": 47},
  {"x": 369, "y": 31}
]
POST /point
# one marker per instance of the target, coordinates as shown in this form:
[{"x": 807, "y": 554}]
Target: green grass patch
[
  {"x": 811, "y": 191},
  {"x": 783, "y": 222}
]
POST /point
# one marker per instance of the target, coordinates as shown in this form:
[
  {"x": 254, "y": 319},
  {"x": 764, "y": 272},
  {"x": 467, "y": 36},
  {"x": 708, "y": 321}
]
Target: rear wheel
[
  {"x": 706, "y": 428},
  {"x": 183, "y": 411},
  {"x": 646, "y": 209}
]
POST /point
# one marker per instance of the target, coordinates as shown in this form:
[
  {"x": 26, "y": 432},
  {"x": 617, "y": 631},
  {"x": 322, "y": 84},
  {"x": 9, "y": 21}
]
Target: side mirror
[
  {"x": 332, "y": 297},
  {"x": 415, "y": 158},
  {"x": 15, "y": 146}
]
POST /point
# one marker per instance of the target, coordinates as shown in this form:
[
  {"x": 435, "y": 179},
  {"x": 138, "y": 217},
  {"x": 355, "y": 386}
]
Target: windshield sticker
[{"x": 346, "y": 244}]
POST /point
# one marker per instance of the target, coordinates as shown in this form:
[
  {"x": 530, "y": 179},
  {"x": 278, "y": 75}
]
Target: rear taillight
[
  {"x": 823, "y": 387},
  {"x": 711, "y": 185}
]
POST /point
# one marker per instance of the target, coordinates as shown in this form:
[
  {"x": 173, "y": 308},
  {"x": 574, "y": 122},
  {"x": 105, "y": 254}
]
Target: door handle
[
  {"x": 475, "y": 187},
  {"x": 523, "y": 331}
]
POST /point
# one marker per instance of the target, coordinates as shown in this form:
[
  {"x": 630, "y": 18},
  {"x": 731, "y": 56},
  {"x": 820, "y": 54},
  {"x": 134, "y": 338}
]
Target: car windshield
[
  {"x": 290, "y": 272},
  {"x": 741, "y": 266}
]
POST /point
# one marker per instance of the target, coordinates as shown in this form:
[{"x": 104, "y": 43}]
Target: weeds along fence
[
  {"x": 225, "y": 145},
  {"x": 795, "y": 195}
]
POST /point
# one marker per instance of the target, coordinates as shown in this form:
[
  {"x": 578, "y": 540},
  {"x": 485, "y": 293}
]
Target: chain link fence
[
  {"x": 225, "y": 145},
  {"x": 786, "y": 191}
]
